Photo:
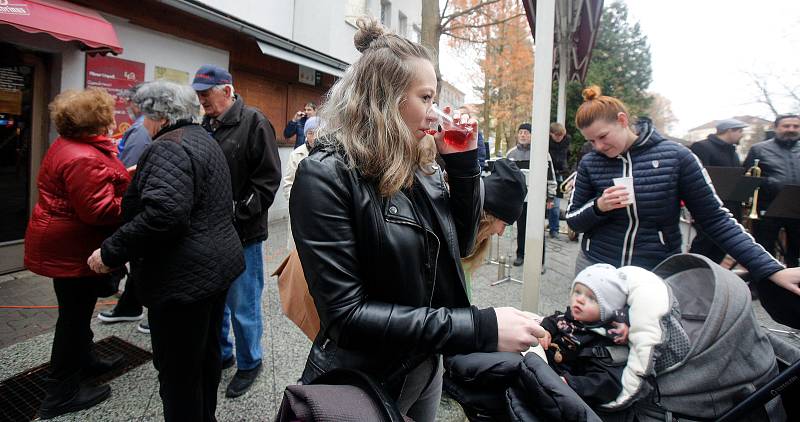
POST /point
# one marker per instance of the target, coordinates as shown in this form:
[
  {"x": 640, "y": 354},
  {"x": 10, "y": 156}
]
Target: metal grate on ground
[{"x": 22, "y": 394}]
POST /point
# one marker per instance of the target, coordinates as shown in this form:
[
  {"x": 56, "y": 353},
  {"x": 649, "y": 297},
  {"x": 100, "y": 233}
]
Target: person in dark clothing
[
  {"x": 578, "y": 340},
  {"x": 585, "y": 149},
  {"x": 719, "y": 150},
  {"x": 81, "y": 183},
  {"x": 380, "y": 236},
  {"x": 183, "y": 249},
  {"x": 559, "y": 153},
  {"x": 133, "y": 144},
  {"x": 295, "y": 126},
  {"x": 248, "y": 140},
  {"x": 779, "y": 160},
  {"x": 522, "y": 152},
  {"x": 643, "y": 232}
]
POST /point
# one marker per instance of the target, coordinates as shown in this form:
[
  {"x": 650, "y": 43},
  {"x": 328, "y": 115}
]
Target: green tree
[{"x": 620, "y": 66}]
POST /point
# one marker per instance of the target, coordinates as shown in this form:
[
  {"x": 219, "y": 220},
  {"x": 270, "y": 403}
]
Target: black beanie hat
[
  {"x": 526, "y": 126},
  {"x": 504, "y": 191}
]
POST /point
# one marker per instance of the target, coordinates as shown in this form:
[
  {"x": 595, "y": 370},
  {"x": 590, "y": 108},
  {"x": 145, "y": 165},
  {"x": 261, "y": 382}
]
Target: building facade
[
  {"x": 281, "y": 53},
  {"x": 450, "y": 96}
]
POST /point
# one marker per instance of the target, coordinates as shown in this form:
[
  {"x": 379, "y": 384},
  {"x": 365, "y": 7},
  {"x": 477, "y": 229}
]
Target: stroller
[{"x": 697, "y": 352}]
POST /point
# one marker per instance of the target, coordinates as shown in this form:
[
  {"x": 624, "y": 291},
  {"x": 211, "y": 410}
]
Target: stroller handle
[{"x": 764, "y": 394}]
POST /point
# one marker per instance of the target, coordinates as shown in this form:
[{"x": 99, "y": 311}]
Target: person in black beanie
[{"x": 503, "y": 200}]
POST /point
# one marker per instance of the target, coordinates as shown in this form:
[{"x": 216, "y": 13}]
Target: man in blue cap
[
  {"x": 248, "y": 140},
  {"x": 718, "y": 150}
]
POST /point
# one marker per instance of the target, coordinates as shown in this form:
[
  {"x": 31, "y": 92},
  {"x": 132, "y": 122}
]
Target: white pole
[{"x": 537, "y": 194}]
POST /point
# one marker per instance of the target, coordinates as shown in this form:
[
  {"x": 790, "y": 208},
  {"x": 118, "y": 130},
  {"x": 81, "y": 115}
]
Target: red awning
[{"x": 62, "y": 20}]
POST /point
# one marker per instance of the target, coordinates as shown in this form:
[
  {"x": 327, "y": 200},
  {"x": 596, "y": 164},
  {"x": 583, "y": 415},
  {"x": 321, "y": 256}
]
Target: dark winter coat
[
  {"x": 248, "y": 140},
  {"x": 645, "y": 233},
  {"x": 577, "y": 353},
  {"x": 81, "y": 183},
  {"x": 780, "y": 165},
  {"x": 559, "y": 152},
  {"x": 389, "y": 291},
  {"x": 715, "y": 152},
  {"x": 296, "y": 128},
  {"x": 178, "y": 232}
]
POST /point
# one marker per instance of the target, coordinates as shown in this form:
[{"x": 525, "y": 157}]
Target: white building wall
[
  {"x": 158, "y": 49},
  {"x": 319, "y": 25},
  {"x": 273, "y": 15}
]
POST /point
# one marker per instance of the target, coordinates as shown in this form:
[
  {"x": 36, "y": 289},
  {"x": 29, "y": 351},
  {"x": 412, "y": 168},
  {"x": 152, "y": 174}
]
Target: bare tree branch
[
  {"x": 792, "y": 92},
  {"x": 458, "y": 37},
  {"x": 444, "y": 10},
  {"x": 457, "y": 27},
  {"x": 446, "y": 20},
  {"x": 765, "y": 95}
]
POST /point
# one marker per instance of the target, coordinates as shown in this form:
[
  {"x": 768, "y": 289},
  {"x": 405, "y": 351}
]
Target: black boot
[
  {"x": 102, "y": 365},
  {"x": 66, "y": 396}
]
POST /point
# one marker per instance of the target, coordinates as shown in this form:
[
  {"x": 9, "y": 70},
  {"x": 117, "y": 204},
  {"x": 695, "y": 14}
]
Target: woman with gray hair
[{"x": 179, "y": 237}]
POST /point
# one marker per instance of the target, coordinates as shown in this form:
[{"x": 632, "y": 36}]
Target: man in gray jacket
[
  {"x": 522, "y": 152},
  {"x": 779, "y": 160}
]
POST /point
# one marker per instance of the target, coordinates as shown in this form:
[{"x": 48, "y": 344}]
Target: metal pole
[{"x": 537, "y": 194}]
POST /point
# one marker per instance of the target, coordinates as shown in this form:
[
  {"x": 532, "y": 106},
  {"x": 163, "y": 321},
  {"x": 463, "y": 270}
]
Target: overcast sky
[{"x": 702, "y": 52}]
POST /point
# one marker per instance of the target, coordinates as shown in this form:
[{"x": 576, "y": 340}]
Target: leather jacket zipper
[{"x": 438, "y": 246}]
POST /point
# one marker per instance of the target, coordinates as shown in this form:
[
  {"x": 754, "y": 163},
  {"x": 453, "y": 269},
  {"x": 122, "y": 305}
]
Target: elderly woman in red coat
[{"x": 81, "y": 183}]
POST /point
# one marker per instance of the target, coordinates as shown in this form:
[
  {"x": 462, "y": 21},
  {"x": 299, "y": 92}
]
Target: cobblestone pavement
[{"x": 26, "y": 336}]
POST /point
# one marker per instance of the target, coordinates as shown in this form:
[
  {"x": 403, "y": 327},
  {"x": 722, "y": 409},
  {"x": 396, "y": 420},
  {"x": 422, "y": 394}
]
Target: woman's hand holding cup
[
  {"x": 458, "y": 133},
  {"x": 614, "y": 197}
]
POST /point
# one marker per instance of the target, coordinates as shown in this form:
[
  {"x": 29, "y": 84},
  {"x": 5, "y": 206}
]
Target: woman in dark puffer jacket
[
  {"x": 81, "y": 183},
  {"x": 183, "y": 249},
  {"x": 645, "y": 231}
]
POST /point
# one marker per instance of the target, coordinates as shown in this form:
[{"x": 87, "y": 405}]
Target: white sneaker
[{"x": 112, "y": 316}]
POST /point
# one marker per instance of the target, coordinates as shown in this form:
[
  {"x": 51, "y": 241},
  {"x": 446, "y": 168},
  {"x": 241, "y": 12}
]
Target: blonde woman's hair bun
[{"x": 369, "y": 30}]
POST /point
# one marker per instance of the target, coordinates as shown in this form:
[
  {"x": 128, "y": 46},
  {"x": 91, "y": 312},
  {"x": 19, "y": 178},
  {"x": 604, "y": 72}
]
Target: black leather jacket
[
  {"x": 370, "y": 265},
  {"x": 780, "y": 165}
]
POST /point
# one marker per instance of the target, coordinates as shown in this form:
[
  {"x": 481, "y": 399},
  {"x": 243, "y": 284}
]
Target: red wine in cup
[{"x": 457, "y": 137}]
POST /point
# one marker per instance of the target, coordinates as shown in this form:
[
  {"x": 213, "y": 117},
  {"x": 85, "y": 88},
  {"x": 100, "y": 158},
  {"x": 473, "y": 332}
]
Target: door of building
[{"x": 21, "y": 128}]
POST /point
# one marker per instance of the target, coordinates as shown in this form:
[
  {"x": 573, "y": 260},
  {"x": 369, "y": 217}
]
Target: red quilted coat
[{"x": 81, "y": 183}]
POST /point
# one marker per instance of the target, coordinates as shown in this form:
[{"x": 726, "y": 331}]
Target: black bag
[{"x": 339, "y": 395}]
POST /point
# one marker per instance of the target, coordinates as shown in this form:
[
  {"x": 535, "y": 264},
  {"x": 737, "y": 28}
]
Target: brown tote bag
[{"x": 296, "y": 301}]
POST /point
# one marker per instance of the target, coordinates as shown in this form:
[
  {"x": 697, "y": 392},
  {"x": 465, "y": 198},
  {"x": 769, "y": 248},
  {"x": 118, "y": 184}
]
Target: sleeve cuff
[
  {"x": 462, "y": 164},
  {"x": 486, "y": 324}
]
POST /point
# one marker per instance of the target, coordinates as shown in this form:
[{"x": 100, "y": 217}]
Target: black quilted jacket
[
  {"x": 178, "y": 232},
  {"x": 645, "y": 233}
]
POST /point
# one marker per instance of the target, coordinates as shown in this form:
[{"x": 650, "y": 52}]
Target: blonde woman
[
  {"x": 381, "y": 238},
  {"x": 504, "y": 196}
]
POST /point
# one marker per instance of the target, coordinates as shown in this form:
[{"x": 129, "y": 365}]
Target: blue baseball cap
[{"x": 209, "y": 76}]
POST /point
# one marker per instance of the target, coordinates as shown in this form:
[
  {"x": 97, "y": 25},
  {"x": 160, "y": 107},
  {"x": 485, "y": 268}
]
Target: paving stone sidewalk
[{"x": 26, "y": 336}]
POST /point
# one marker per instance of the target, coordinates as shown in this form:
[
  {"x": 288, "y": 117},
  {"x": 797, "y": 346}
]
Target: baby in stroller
[{"x": 585, "y": 345}]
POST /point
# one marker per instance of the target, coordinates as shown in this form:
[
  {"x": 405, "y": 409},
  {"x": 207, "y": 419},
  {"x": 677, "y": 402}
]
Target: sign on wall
[
  {"x": 309, "y": 76},
  {"x": 114, "y": 75},
  {"x": 172, "y": 75}
]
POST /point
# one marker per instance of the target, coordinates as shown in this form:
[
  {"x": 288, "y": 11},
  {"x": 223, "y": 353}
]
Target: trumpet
[
  {"x": 568, "y": 183},
  {"x": 754, "y": 171}
]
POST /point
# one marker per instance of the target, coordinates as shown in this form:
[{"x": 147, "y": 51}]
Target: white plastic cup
[{"x": 626, "y": 182}]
